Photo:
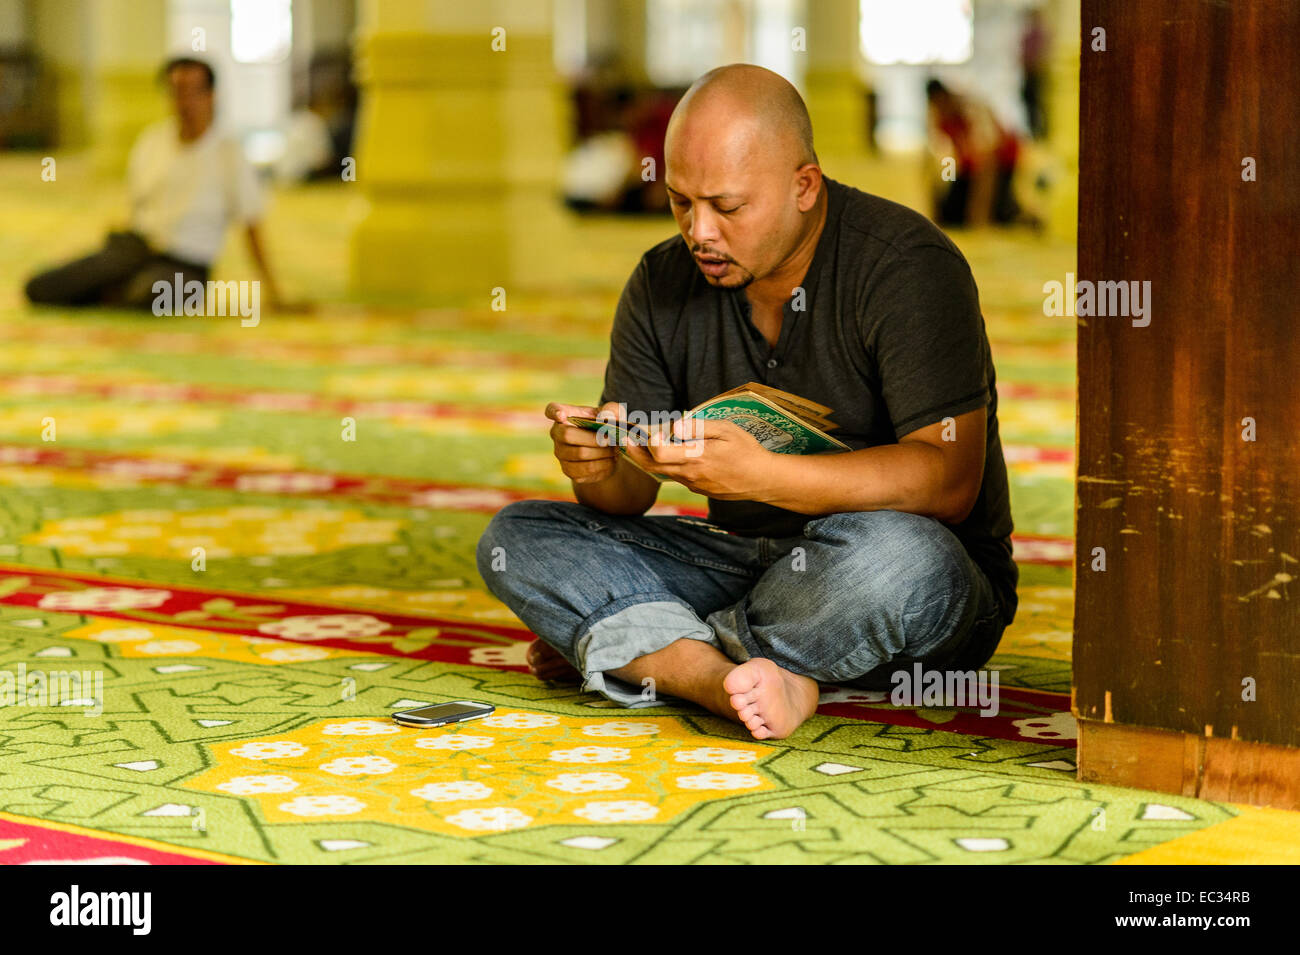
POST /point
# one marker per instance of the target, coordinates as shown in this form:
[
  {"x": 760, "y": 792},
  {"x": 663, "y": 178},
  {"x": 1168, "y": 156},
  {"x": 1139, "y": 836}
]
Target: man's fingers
[
  {"x": 640, "y": 455},
  {"x": 575, "y": 452},
  {"x": 611, "y": 411},
  {"x": 663, "y": 450},
  {"x": 570, "y": 434},
  {"x": 557, "y": 411},
  {"x": 587, "y": 472},
  {"x": 686, "y": 429}
]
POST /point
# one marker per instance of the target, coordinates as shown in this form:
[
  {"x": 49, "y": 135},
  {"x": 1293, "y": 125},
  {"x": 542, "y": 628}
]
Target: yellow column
[
  {"x": 61, "y": 36},
  {"x": 536, "y": 115},
  {"x": 1063, "y": 117},
  {"x": 452, "y": 137},
  {"x": 834, "y": 90},
  {"x": 127, "y": 48}
]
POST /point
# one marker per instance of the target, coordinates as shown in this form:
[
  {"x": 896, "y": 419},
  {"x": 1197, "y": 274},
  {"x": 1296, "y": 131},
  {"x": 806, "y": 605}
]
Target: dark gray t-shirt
[{"x": 891, "y": 337}]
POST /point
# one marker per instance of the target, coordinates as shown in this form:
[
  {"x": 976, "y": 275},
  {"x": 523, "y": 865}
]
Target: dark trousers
[
  {"x": 122, "y": 273},
  {"x": 1031, "y": 91},
  {"x": 954, "y": 205}
]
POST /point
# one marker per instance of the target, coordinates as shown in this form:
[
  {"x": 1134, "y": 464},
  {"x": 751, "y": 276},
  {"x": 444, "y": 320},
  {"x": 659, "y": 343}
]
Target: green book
[{"x": 777, "y": 426}]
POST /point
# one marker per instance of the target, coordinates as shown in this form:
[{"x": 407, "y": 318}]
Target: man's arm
[
  {"x": 247, "y": 199},
  {"x": 628, "y": 491},
  {"x": 922, "y": 474},
  {"x": 257, "y": 251}
]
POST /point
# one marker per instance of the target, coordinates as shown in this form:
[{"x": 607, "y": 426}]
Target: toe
[{"x": 743, "y": 679}]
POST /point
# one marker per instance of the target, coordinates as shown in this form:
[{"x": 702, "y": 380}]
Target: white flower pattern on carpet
[
  {"x": 588, "y": 782},
  {"x": 335, "y": 626}
]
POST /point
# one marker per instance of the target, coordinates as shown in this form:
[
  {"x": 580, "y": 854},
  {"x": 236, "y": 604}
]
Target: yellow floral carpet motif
[{"x": 507, "y": 771}]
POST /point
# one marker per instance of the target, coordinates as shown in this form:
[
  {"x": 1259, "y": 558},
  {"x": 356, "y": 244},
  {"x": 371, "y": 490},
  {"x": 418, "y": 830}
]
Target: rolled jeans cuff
[
  {"x": 731, "y": 631},
  {"x": 626, "y": 629}
]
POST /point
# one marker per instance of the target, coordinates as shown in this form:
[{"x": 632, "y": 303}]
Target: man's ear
[{"x": 808, "y": 181}]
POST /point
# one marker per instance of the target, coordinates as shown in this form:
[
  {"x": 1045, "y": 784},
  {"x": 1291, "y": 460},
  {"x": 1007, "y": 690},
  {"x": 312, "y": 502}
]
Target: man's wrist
[
  {"x": 804, "y": 484},
  {"x": 618, "y": 501},
  {"x": 780, "y": 487}
]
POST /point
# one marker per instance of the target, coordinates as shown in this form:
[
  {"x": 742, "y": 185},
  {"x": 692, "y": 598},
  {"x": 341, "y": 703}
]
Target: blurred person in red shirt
[{"x": 984, "y": 154}]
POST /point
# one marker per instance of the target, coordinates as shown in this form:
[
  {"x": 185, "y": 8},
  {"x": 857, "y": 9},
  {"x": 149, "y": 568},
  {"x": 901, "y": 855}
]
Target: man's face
[
  {"x": 736, "y": 212},
  {"x": 191, "y": 96}
]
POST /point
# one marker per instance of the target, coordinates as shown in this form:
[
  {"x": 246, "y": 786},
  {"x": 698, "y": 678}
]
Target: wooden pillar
[{"x": 1187, "y": 644}]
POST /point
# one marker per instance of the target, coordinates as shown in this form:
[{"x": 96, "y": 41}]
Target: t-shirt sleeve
[
  {"x": 927, "y": 335},
  {"x": 637, "y": 373}
]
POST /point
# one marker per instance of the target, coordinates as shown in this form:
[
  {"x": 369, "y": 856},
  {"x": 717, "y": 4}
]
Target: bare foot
[
  {"x": 771, "y": 702},
  {"x": 546, "y": 663}
]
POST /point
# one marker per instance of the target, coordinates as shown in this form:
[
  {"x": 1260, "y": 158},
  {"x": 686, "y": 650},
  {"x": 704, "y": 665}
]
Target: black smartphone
[
  {"x": 622, "y": 436},
  {"x": 441, "y": 713}
]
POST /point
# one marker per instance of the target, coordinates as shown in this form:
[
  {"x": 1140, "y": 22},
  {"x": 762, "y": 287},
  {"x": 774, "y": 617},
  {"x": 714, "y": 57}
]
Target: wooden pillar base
[{"x": 1226, "y": 770}]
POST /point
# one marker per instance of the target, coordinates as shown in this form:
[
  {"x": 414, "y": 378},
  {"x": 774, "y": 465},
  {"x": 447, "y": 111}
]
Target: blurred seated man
[
  {"x": 964, "y": 129},
  {"x": 186, "y": 184}
]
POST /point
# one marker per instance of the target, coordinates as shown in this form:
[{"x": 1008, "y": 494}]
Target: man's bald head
[
  {"x": 742, "y": 99},
  {"x": 742, "y": 177}
]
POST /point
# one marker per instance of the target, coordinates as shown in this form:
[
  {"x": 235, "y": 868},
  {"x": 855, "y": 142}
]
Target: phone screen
[
  {"x": 441, "y": 711},
  {"x": 622, "y": 436}
]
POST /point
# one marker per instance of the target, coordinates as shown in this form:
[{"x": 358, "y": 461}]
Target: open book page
[
  {"x": 803, "y": 408},
  {"x": 775, "y": 428}
]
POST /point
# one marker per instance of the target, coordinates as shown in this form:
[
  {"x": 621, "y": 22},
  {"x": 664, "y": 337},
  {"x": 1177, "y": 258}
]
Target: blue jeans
[{"x": 856, "y": 597}]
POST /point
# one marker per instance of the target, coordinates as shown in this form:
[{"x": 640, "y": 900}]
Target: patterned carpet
[{"x": 251, "y": 544}]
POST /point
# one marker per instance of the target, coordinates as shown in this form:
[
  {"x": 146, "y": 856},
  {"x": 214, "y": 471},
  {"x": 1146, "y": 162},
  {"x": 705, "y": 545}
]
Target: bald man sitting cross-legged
[{"x": 835, "y": 568}]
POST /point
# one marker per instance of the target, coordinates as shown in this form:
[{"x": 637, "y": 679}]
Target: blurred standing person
[
  {"x": 965, "y": 130},
  {"x": 1033, "y": 60}
]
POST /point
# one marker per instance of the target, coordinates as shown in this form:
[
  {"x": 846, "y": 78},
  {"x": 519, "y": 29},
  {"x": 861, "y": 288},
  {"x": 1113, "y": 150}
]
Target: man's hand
[
  {"x": 582, "y": 457},
  {"x": 715, "y": 458}
]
